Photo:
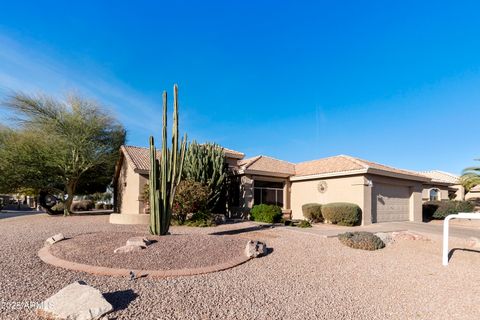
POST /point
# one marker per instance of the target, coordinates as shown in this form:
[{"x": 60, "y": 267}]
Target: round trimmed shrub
[
  {"x": 342, "y": 213},
  {"x": 312, "y": 212},
  {"x": 266, "y": 213},
  {"x": 361, "y": 240}
]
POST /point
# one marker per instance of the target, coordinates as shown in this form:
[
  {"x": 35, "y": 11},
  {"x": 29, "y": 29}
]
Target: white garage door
[{"x": 390, "y": 202}]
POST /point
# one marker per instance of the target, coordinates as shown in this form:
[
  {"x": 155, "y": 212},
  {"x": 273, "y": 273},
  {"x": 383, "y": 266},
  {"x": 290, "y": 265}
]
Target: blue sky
[{"x": 396, "y": 83}]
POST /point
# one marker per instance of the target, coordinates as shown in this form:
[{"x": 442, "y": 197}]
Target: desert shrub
[
  {"x": 99, "y": 206},
  {"x": 312, "y": 212},
  {"x": 83, "y": 205},
  {"x": 342, "y": 213},
  {"x": 361, "y": 240},
  {"x": 304, "y": 224},
  {"x": 109, "y": 206},
  {"x": 191, "y": 197},
  {"x": 441, "y": 209},
  {"x": 201, "y": 219},
  {"x": 266, "y": 213},
  {"x": 58, "y": 207}
]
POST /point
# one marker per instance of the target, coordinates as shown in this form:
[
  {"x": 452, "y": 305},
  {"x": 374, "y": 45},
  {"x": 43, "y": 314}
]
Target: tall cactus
[
  {"x": 165, "y": 175},
  {"x": 206, "y": 163}
]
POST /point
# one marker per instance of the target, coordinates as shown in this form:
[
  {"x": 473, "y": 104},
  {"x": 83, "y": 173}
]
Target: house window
[
  {"x": 267, "y": 192},
  {"x": 434, "y": 195}
]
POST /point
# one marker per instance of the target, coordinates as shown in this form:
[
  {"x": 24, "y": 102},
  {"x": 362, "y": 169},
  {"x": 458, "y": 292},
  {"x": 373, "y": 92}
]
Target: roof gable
[{"x": 266, "y": 164}]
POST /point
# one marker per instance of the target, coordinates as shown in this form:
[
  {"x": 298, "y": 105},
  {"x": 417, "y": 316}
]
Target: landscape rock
[
  {"x": 255, "y": 249},
  {"x": 77, "y": 301},
  {"x": 408, "y": 235},
  {"x": 473, "y": 242},
  {"x": 54, "y": 239},
  {"x": 219, "y": 218},
  {"x": 138, "y": 241},
  {"x": 128, "y": 248},
  {"x": 387, "y": 238}
]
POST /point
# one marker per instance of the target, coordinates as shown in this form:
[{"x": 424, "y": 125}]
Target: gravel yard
[
  {"x": 304, "y": 277},
  {"x": 178, "y": 251}
]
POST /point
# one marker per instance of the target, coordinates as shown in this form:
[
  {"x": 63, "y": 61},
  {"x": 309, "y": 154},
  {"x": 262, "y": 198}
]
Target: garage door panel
[{"x": 391, "y": 202}]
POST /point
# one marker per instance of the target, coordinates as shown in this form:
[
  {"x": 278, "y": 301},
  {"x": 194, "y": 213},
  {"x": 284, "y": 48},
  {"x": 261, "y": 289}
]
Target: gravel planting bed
[
  {"x": 304, "y": 277},
  {"x": 177, "y": 251}
]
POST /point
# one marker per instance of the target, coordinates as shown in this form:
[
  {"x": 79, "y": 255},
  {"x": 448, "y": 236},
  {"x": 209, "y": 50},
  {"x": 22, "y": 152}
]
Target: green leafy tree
[
  {"x": 63, "y": 147},
  {"x": 471, "y": 177},
  {"x": 205, "y": 163}
]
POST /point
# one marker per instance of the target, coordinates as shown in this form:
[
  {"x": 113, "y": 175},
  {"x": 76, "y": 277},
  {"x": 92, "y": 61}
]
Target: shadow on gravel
[
  {"x": 120, "y": 299},
  {"x": 243, "y": 230},
  {"x": 450, "y": 254}
]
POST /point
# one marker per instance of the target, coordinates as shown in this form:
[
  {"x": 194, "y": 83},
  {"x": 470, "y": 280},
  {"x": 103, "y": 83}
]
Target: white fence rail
[{"x": 461, "y": 215}]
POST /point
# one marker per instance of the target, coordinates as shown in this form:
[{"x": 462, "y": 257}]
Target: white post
[
  {"x": 445, "y": 239},
  {"x": 461, "y": 215}
]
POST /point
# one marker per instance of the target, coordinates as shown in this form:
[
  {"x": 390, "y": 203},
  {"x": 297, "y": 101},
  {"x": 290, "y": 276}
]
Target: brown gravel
[
  {"x": 305, "y": 277},
  {"x": 178, "y": 251}
]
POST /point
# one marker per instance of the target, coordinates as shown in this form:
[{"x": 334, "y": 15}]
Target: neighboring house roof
[
  {"x": 342, "y": 165},
  {"x": 233, "y": 154},
  {"x": 475, "y": 189},
  {"x": 266, "y": 164},
  {"x": 441, "y": 176},
  {"x": 139, "y": 157}
]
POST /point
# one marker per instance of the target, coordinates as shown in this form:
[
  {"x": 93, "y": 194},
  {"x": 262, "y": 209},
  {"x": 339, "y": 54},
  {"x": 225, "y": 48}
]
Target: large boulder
[
  {"x": 77, "y": 301},
  {"x": 255, "y": 249}
]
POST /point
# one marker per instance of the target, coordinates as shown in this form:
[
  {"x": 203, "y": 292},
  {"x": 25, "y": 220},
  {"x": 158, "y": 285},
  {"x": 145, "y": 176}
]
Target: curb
[{"x": 46, "y": 256}]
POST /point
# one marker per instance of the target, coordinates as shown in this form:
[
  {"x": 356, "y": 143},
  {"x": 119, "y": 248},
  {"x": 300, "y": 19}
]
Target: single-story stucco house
[{"x": 383, "y": 193}]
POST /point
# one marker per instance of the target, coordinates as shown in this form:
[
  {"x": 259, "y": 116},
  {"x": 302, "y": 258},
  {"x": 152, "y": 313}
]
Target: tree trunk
[{"x": 71, "y": 186}]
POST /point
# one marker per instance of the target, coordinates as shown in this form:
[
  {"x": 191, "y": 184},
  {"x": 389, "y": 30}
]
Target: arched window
[{"x": 434, "y": 195}]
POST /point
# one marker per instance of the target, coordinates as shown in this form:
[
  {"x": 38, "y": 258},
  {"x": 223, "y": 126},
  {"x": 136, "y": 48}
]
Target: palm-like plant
[{"x": 471, "y": 177}]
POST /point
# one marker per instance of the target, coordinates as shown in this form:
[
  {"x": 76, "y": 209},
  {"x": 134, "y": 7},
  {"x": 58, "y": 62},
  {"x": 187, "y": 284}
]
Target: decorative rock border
[{"x": 46, "y": 256}]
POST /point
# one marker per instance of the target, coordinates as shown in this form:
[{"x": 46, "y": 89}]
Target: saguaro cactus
[{"x": 166, "y": 173}]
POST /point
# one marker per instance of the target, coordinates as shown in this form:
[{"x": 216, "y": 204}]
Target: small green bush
[
  {"x": 304, "y": 224},
  {"x": 108, "y": 206},
  {"x": 83, "y": 205},
  {"x": 441, "y": 209},
  {"x": 99, "y": 206},
  {"x": 361, "y": 240},
  {"x": 312, "y": 212},
  {"x": 201, "y": 219},
  {"x": 342, "y": 213},
  {"x": 266, "y": 213},
  {"x": 59, "y": 207}
]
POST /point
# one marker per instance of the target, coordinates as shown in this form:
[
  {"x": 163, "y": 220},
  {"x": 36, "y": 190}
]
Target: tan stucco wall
[
  {"x": 426, "y": 192},
  {"x": 472, "y": 195},
  {"x": 129, "y": 185},
  {"x": 344, "y": 189}
]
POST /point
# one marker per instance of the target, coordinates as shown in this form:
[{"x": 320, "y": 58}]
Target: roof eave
[
  {"x": 404, "y": 176},
  {"x": 328, "y": 175},
  {"x": 265, "y": 173}
]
